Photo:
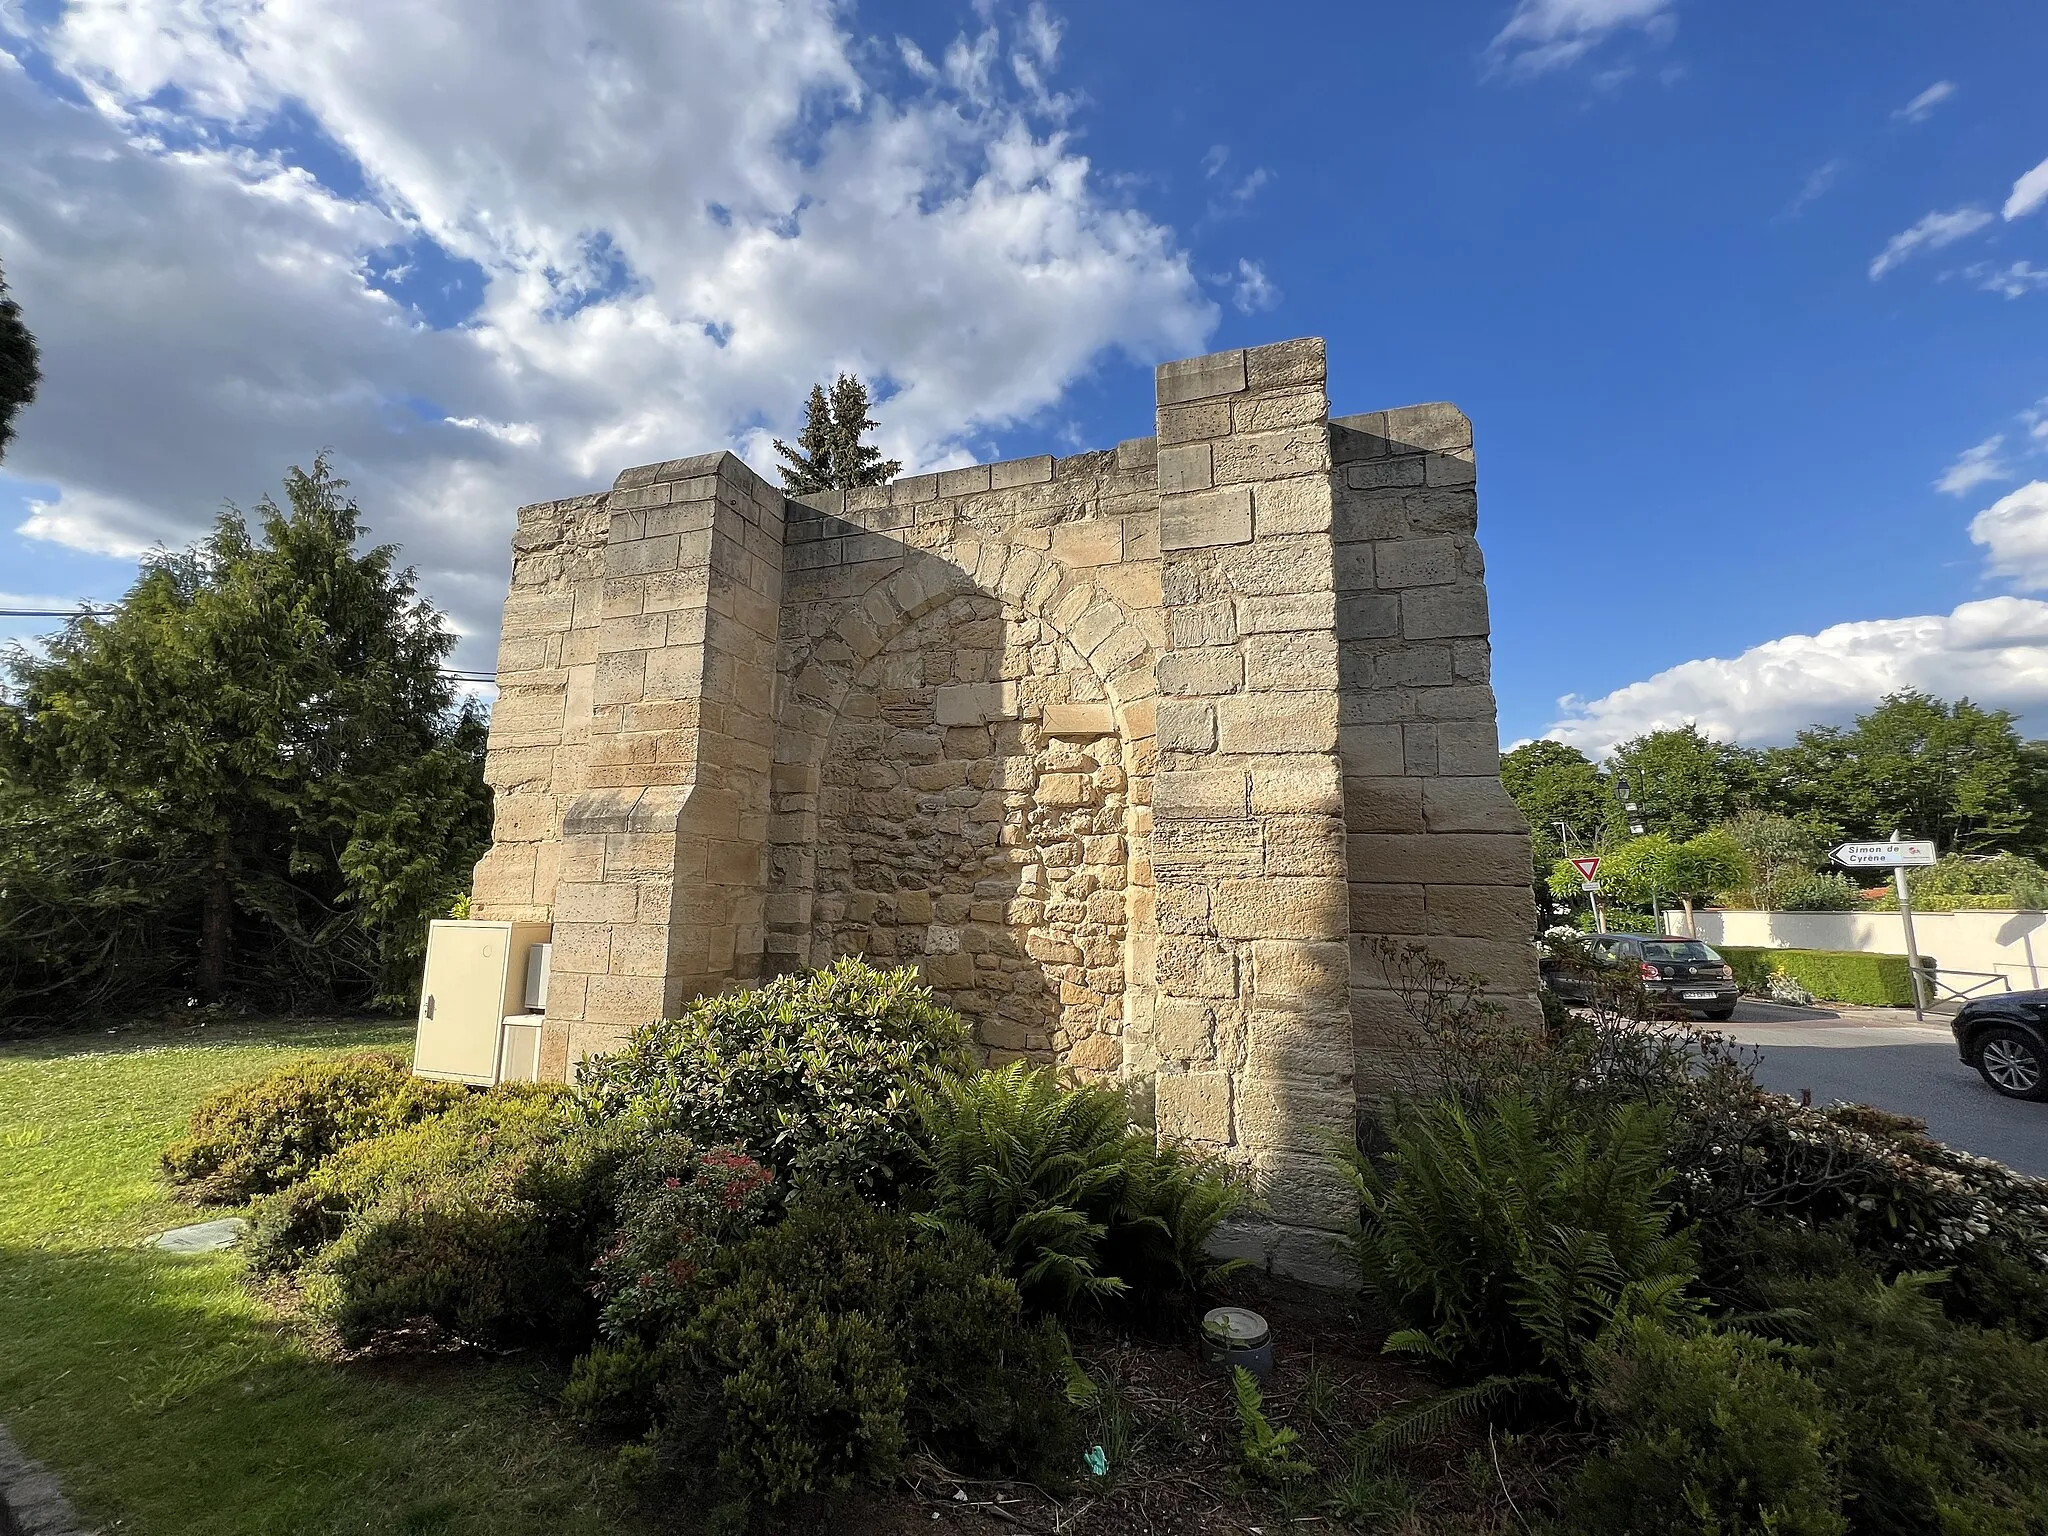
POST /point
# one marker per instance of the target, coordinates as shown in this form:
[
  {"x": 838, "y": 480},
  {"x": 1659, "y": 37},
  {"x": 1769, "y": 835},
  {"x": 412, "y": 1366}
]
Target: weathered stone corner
[{"x": 1128, "y": 752}]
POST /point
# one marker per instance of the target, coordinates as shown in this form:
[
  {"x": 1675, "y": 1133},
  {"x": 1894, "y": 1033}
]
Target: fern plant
[
  {"x": 1271, "y": 1456},
  {"x": 1079, "y": 1205},
  {"x": 1508, "y": 1247}
]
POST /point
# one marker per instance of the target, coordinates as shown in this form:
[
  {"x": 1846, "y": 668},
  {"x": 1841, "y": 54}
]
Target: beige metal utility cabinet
[{"x": 479, "y": 1020}]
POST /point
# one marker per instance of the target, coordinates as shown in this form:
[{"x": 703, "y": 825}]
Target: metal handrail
[{"x": 1963, "y": 994}]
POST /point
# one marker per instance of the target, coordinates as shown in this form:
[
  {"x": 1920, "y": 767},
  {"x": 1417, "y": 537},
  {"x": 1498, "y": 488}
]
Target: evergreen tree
[
  {"x": 829, "y": 454},
  {"x": 19, "y": 372},
  {"x": 1683, "y": 781},
  {"x": 1551, "y": 782},
  {"x": 255, "y": 765}
]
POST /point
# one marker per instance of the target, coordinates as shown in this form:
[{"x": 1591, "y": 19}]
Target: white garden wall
[{"x": 2011, "y": 944}]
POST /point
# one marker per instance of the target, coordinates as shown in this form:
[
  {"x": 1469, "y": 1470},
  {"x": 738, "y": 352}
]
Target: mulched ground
[{"x": 1178, "y": 1473}]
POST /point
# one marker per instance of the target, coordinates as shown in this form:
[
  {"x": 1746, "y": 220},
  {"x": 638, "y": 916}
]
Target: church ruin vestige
[{"x": 1129, "y": 753}]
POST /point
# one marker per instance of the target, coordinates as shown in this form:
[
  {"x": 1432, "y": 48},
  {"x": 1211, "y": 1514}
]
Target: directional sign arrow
[{"x": 1884, "y": 855}]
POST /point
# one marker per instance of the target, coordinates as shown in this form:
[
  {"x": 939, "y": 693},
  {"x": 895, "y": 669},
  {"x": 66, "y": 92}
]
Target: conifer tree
[
  {"x": 18, "y": 369},
  {"x": 829, "y": 454}
]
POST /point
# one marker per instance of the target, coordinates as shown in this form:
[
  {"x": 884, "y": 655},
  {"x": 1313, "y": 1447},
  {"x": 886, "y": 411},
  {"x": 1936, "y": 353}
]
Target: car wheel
[
  {"x": 2010, "y": 1061},
  {"x": 1719, "y": 1015}
]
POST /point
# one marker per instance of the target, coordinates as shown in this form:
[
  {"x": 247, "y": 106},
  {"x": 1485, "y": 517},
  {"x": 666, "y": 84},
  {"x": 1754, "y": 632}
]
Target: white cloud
[
  {"x": 1930, "y": 234},
  {"x": 2014, "y": 533},
  {"x": 1253, "y": 291},
  {"x": 2015, "y": 281},
  {"x": 1817, "y": 185},
  {"x": 682, "y": 214},
  {"x": 1974, "y": 467},
  {"x": 1995, "y": 651},
  {"x": 1918, "y": 109},
  {"x": 1543, "y": 35},
  {"x": 2028, "y": 193}
]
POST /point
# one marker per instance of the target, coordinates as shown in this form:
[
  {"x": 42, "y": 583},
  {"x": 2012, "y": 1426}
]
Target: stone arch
[{"x": 1110, "y": 658}]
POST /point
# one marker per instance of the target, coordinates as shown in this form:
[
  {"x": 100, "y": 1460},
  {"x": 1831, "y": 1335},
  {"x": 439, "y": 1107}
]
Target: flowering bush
[{"x": 676, "y": 1207}]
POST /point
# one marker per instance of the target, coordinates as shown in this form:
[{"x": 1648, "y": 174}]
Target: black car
[
  {"x": 2006, "y": 1039},
  {"x": 1683, "y": 973}
]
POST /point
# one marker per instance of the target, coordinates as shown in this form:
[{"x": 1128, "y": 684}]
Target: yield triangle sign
[{"x": 1587, "y": 868}]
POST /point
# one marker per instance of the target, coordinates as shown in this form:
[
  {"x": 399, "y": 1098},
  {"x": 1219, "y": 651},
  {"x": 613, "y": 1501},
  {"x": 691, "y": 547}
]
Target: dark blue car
[{"x": 2006, "y": 1039}]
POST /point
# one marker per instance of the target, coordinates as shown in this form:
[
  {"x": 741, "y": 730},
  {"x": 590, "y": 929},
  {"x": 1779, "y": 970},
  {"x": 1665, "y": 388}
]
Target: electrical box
[{"x": 474, "y": 996}]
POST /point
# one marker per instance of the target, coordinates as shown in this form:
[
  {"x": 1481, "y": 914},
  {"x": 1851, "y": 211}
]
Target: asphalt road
[{"x": 1866, "y": 1057}]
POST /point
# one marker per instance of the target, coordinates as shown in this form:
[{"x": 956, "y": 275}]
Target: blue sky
[{"x": 492, "y": 253}]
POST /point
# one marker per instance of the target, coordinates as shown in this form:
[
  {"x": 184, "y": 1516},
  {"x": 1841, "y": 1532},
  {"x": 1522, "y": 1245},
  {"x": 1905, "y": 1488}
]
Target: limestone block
[
  {"x": 1384, "y": 804},
  {"x": 1294, "y": 976},
  {"x": 1195, "y": 968},
  {"x": 1272, "y": 907},
  {"x": 1277, "y": 722},
  {"x": 1091, "y": 542},
  {"x": 1190, "y": 423},
  {"x": 1433, "y": 427},
  {"x": 1198, "y": 378},
  {"x": 624, "y": 1000},
  {"x": 1205, "y": 519},
  {"x": 1308, "y": 783},
  {"x": 1291, "y": 662},
  {"x": 1431, "y": 562},
  {"x": 1389, "y": 909},
  {"x": 1137, "y": 453},
  {"x": 1036, "y": 470},
  {"x": 1272, "y": 455},
  {"x": 1065, "y": 789},
  {"x": 1476, "y": 804},
  {"x": 1311, "y": 1205},
  {"x": 1184, "y": 1029},
  {"x": 1078, "y": 721},
  {"x": 1288, "y": 612},
  {"x": 1300, "y": 505},
  {"x": 1193, "y": 1106},
  {"x": 1384, "y": 474},
  {"x": 1200, "y": 851},
  {"x": 1259, "y": 412},
  {"x": 1317, "y": 1258},
  {"x": 1200, "y": 794},
  {"x": 1418, "y": 749},
  {"x": 1205, "y": 671},
  {"x": 1440, "y": 614},
  {"x": 1452, "y": 858},
  {"x": 975, "y": 703},
  {"x": 1203, "y": 624},
  {"x": 1368, "y": 616},
  {"x": 963, "y": 482},
  {"x": 1465, "y": 702},
  {"x": 1290, "y": 1113},
  {"x": 1305, "y": 845},
  {"x": 1480, "y": 911},
  {"x": 1451, "y": 469},
  {"x": 1370, "y": 751},
  {"x": 1287, "y": 364},
  {"x": 1184, "y": 468}
]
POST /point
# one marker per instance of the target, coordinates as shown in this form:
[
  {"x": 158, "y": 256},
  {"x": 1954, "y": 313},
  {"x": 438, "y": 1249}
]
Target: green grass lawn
[{"x": 168, "y": 1397}]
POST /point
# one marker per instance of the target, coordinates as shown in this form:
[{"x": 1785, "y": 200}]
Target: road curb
[{"x": 31, "y": 1502}]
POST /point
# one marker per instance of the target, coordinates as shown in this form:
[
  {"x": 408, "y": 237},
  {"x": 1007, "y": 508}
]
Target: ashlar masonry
[{"x": 1130, "y": 753}]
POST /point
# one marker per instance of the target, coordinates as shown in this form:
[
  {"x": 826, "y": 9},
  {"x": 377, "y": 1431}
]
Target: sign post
[
  {"x": 1588, "y": 867},
  {"x": 1897, "y": 856}
]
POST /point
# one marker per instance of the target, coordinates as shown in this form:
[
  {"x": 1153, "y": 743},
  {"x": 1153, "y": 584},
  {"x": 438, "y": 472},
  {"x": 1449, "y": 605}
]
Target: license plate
[{"x": 1699, "y": 997}]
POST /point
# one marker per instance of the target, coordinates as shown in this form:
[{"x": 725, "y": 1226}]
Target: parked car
[
  {"x": 1680, "y": 973},
  {"x": 2006, "y": 1039}
]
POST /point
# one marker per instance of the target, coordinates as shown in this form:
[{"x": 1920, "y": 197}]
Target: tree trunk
[
  {"x": 1692, "y": 930},
  {"x": 216, "y": 922}
]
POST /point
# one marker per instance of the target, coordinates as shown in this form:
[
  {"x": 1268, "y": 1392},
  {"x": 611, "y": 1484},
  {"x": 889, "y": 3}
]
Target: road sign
[
  {"x": 1884, "y": 855},
  {"x": 1590, "y": 887},
  {"x": 1587, "y": 868}
]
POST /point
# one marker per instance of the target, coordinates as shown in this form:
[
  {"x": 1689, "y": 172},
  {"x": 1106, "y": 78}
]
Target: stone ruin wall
[{"x": 1131, "y": 753}]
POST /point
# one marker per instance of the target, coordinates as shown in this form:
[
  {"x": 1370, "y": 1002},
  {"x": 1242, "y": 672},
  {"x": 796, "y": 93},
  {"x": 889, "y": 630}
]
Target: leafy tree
[
  {"x": 1683, "y": 781},
  {"x": 19, "y": 372},
  {"x": 1780, "y": 849},
  {"x": 829, "y": 454},
  {"x": 1916, "y": 765},
  {"x": 1552, "y": 782},
  {"x": 255, "y": 762},
  {"x": 1652, "y": 871}
]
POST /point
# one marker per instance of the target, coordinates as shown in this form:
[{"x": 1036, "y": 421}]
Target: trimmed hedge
[{"x": 1831, "y": 975}]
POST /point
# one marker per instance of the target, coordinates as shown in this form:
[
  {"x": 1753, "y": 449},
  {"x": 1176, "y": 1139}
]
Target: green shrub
[
  {"x": 483, "y": 1221},
  {"x": 1505, "y": 1244},
  {"x": 251, "y": 1138},
  {"x": 1962, "y": 882},
  {"x": 808, "y": 1074},
  {"x": 1712, "y": 1433},
  {"x": 1834, "y": 975},
  {"x": 826, "y": 1346},
  {"x": 1826, "y": 891},
  {"x": 1077, "y": 1202},
  {"x": 674, "y": 1208}
]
